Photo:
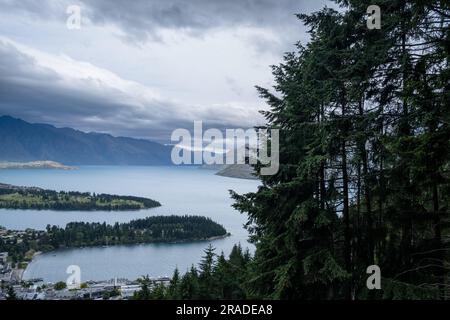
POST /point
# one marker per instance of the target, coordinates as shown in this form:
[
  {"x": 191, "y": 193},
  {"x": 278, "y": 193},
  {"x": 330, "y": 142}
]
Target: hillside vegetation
[{"x": 12, "y": 197}]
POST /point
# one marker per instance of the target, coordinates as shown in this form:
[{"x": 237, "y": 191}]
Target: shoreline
[
  {"x": 228, "y": 234},
  {"x": 21, "y": 272}
]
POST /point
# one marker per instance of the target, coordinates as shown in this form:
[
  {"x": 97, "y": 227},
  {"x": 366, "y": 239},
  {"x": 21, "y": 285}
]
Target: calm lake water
[{"x": 181, "y": 190}]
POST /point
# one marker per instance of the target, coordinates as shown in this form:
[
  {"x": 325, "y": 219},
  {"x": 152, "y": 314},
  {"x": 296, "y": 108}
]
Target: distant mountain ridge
[{"x": 21, "y": 141}]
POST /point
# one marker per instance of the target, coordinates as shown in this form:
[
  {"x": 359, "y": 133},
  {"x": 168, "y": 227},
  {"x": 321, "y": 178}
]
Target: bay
[{"x": 181, "y": 190}]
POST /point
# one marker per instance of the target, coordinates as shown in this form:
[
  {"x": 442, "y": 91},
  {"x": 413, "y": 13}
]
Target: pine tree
[
  {"x": 206, "y": 269},
  {"x": 173, "y": 291},
  {"x": 189, "y": 286},
  {"x": 145, "y": 292},
  {"x": 364, "y": 158},
  {"x": 11, "y": 294}
]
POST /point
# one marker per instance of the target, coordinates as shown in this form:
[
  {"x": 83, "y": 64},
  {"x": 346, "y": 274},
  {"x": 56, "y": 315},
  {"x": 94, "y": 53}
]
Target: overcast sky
[{"x": 144, "y": 68}]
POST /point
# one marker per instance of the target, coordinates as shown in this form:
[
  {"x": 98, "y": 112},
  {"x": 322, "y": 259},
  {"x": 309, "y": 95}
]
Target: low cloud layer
[
  {"x": 56, "y": 89},
  {"x": 143, "y": 68}
]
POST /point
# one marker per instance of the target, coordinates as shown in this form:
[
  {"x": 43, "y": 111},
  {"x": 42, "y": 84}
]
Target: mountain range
[{"x": 23, "y": 141}]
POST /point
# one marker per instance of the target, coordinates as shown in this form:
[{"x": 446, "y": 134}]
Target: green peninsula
[
  {"x": 13, "y": 197},
  {"x": 155, "y": 229}
]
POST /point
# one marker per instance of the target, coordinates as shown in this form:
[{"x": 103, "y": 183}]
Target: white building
[{"x": 127, "y": 291}]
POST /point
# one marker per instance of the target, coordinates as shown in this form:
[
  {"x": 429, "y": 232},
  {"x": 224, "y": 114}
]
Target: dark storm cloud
[
  {"x": 141, "y": 20},
  {"x": 14, "y": 64},
  {"x": 143, "y": 16}
]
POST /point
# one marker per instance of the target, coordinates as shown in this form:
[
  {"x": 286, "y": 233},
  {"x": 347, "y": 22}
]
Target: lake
[{"x": 181, "y": 190}]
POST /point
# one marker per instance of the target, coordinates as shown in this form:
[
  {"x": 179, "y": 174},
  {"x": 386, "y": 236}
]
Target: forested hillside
[
  {"x": 364, "y": 174},
  {"x": 14, "y": 197},
  {"x": 364, "y": 151}
]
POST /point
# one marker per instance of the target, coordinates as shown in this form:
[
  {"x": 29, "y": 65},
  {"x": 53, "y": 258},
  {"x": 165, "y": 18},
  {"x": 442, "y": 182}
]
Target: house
[{"x": 128, "y": 291}]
